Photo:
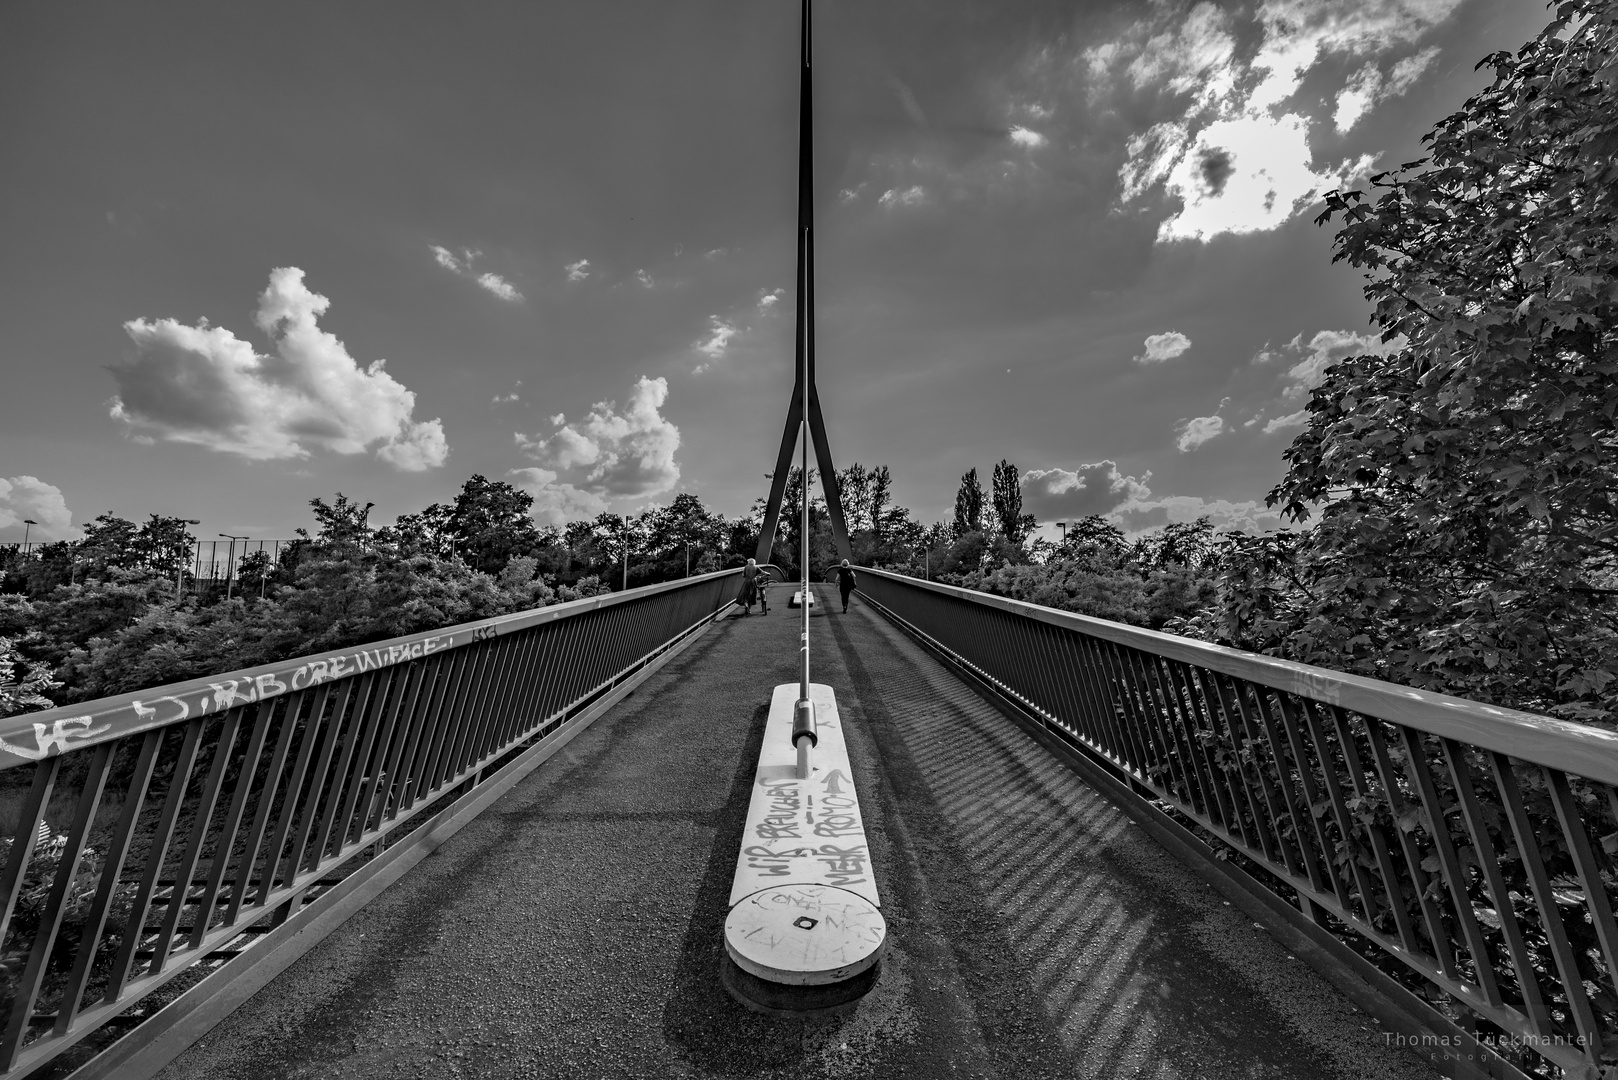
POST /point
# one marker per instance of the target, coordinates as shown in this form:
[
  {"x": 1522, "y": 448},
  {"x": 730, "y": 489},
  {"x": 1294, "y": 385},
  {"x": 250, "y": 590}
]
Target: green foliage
[
  {"x": 23, "y": 683},
  {"x": 969, "y": 504},
  {"x": 1008, "y": 502},
  {"x": 1467, "y": 529}
]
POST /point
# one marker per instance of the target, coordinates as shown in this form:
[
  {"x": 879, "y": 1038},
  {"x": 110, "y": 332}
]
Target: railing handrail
[
  {"x": 28, "y": 737},
  {"x": 1560, "y": 744}
]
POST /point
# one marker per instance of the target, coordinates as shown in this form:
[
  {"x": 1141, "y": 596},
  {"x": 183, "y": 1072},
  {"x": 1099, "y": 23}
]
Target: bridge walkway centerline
[{"x": 576, "y": 926}]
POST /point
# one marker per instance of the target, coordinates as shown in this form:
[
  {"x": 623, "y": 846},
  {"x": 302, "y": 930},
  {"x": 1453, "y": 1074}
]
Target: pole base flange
[{"x": 795, "y": 1001}]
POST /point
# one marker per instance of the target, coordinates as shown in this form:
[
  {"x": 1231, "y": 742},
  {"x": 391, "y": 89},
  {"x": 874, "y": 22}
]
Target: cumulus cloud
[
  {"x": 578, "y": 271},
  {"x": 461, "y": 265},
  {"x": 499, "y": 286},
  {"x": 1297, "y": 419},
  {"x": 1164, "y": 346},
  {"x": 1027, "y": 138},
  {"x": 1100, "y": 489},
  {"x": 770, "y": 299},
  {"x": 644, "y": 278},
  {"x": 848, "y": 195},
  {"x": 1236, "y": 155},
  {"x": 714, "y": 345},
  {"x": 1196, "y": 431},
  {"x": 557, "y": 503},
  {"x": 1097, "y": 488},
  {"x": 1368, "y": 87},
  {"x": 506, "y": 399},
  {"x": 1326, "y": 348},
  {"x": 910, "y": 196},
  {"x": 28, "y": 497},
  {"x": 204, "y": 385},
  {"x": 613, "y": 454}
]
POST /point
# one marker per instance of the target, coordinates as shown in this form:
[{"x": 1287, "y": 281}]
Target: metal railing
[
  {"x": 1473, "y": 844},
  {"x": 195, "y": 816}
]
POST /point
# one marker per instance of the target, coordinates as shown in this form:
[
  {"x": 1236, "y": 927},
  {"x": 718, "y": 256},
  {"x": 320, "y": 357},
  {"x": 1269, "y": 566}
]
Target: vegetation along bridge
[
  {"x": 1106, "y": 851},
  {"x": 1103, "y": 851}
]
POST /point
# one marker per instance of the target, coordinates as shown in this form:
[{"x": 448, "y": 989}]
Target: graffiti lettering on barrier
[
  {"x": 838, "y": 817},
  {"x": 844, "y": 866},
  {"x": 773, "y": 863},
  {"x": 54, "y": 738},
  {"x": 780, "y": 821}
]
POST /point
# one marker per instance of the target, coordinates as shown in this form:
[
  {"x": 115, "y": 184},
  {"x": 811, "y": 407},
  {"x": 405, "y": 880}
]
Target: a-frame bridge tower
[{"x": 804, "y": 409}]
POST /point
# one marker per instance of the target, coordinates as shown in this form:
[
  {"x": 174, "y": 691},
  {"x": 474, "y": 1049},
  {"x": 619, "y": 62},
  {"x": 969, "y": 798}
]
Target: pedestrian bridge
[{"x": 505, "y": 849}]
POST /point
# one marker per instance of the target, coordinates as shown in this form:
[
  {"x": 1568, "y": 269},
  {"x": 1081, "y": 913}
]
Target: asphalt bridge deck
[{"x": 575, "y": 928}]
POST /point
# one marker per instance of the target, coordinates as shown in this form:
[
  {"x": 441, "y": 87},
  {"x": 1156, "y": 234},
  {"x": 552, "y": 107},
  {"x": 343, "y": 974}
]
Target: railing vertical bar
[
  {"x": 1499, "y": 893},
  {"x": 503, "y": 705},
  {"x": 1241, "y": 739},
  {"x": 485, "y": 706},
  {"x": 95, "y": 919},
  {"x": 1172, "y": 711},
  {"x": 1080, "y": 716},
  {"x": 1339, "y": 809},
  {"x": 313, "y": 729},
  {"x": 443, "y": 723},
  {"x": 1550, "y": 916},
  {"x": 1189, "y": 730},
  {"x": 156, "y": 853},
  {"x": 474, "y": 685},
  {"x": 425, "y": 725},
  {"x": 1222, "y": 734},
  {"x": 1133, "y": 755},
  {"x": 1222, "y": 807},
  {"x": 1316, "y": 855},
  {"x": 392, "y": 782},
  {"x": 1392, "y": 885},
  {"x": 1038, "y": 664},
  {"x": 525, "y": 688},
  {"x": 1233, "y": 692},
  {"x": 1596, "y": 900},
  {"x": 1432, "y": 919},
  {"x": 1454, "y": 876},
  {"x": 186, "y": 866},
  {"x": 234, "y": 812},
  {"x": 364, "y": 778},
  {"x": 1157, "y": 727},
  {"x": 451, "y": 730},
  {"x": 330, "y": 735},
  {"x": 23, "y": 843},
  {"x": 356, "y": 743},
  {"x": 266, "y": 806},
  {"x": 26, "y": 990}
]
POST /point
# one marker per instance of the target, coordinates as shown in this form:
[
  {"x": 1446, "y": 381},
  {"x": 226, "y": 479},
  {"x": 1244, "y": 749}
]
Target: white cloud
[
  {"x": 1326, "y": 348},
  {"x": 613, "y": 454},
  {"x": 1367, "y": 87},
  {"x": 29, "y": 497},
  {"x": 719, "y": 334},
  {"x": 848, "y": 195},
  {"x": 1237, "y": 155},
  {"x": 1096, "y": 488},
  {"x": 910, "y": 196},
  {"x": 462, "y": 266},
  {"x": 558, "y": 503},
  {"x": 770, "y": 299},
  {"x": 1164, "y": 346},
  {"x": 1100, "y": 489},
  {"x": 203, "y": 385},
  {"x": 1024, "y": 137},
  {"x": 1198, "y": 430},
  {"x": 1297, "y": 419},
  {"x": 578, "y": 271},
  {"x": 500, "y": 287},
  {"x": 644, "y": 278}
]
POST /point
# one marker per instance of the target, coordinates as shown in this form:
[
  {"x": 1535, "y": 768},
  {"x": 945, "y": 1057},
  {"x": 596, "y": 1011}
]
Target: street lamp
[
  {"x": 1063, "y": 526},
  {"x": 230, "y": 556},
  {"x": 28, "y": 525}
]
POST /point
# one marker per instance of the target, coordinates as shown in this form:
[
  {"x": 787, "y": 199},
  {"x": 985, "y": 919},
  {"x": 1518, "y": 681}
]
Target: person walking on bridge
[
  {"x": 749, "y": 595},
  {"x": 845, "y": 583}
]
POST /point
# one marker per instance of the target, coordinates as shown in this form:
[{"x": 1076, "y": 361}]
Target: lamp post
[
  {"x": 27, "y": 527},
  {"x": 1063, "y": 526},
  {"x": 230, "y": 557},
  {"x": 626, "y": 553}
]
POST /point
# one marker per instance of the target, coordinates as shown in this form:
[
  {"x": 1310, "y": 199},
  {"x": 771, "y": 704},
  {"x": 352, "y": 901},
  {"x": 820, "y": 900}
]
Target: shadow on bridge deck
[{"x": 574, "y": 929}]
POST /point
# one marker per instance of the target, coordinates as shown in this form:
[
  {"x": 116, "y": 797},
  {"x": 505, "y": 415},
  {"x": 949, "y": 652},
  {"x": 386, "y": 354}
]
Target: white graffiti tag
[{"x": 54, "y": 738}]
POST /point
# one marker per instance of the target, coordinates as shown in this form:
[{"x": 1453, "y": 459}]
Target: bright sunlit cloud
[
  {"x": 1162, "y": 347},
  {"x": 205, "y": 386},
  {"x": 1236, "y": 156},
  {"x": 461, "y": 266},
  {"x": 25, "y": 498},
  {"x": 613, "y": 454}
]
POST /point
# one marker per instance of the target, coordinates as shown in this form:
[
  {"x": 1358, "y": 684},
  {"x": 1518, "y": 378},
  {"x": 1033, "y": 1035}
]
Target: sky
[{"x": 257, "y": 255}]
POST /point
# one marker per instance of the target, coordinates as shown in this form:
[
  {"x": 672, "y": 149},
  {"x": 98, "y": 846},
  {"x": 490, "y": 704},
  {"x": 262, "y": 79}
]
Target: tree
[
  {"x": 854, "y": 492},
  {"x": 969, "y": 504},
  {"x": 1468, "y": 529},
  {"x": 490, "y": 522},
  {"x": 881, "y": 497},
  {"x": 1008, "y": 501}
]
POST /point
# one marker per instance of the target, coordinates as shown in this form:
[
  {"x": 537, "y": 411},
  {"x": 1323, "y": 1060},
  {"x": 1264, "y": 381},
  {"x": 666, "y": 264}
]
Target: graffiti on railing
[{"x": 30, "y": 740}]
